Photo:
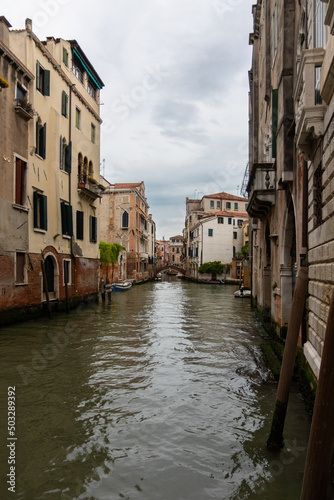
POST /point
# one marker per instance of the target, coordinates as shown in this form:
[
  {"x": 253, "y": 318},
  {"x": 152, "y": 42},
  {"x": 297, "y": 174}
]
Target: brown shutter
[{"x": 18, "y": 182}]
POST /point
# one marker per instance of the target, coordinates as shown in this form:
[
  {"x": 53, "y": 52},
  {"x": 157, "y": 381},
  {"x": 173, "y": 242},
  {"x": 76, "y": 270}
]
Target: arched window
[
  {"x": 91, "y": 169},
  {"x": 125, "y": 220},
  {"x": 80, "y": 164}
]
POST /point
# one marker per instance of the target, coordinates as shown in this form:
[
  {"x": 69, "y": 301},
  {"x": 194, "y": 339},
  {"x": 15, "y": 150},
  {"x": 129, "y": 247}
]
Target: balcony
[
  {"x": 24, "y": 109},
  {"x": 261, "y": 189},
  {"x": 309, "y": 109},
  {"x": 143, "y": 256},
  {"x": 89, "y": 188}
]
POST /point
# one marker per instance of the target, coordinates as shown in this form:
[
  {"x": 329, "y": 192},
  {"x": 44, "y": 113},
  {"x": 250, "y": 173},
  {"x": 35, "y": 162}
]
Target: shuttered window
[
  {"x": 42, "y": 79},
  {"x": 92, "y": 229},
  {"x": 40, "y": 211},
  {"x": 41, "y": 139},
  {"x": 20, "y": 181},
  {"x": 80, "y": 225},
  {"x": 64, "y": 104},
  {"x": 66, "y": 219},
  {"x": 20, "y": 270}
]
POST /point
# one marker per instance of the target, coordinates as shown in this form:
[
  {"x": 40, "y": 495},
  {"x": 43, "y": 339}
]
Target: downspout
[{"x": 70, "y": 174}]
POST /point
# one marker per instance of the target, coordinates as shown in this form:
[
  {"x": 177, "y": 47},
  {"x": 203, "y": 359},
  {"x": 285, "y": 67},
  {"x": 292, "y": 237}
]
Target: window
[
  {"x": 91, "y": 90},
  {"x": 42, "y": 79},
  {"x": 246, "y": 206},
  {"x": 77, "y": 72},
  {"x": 235, "y": 235},
  {"x": 210, "y": 232},
  {"x": 65, "y": 155},
  {"x": 78, "y": 118},
  {"x": 125, "y": 220},
  {"x": 40, "y": 139},
  {"x": 317, "y": 194},
  {"x": 66, "y": 219},
  {"x": 196, "y": 252},
  {"x": 236, "y": 206},
  {"x": 65, "y": 56},
  {"x": 240, "y": 222},
  {"x": 92, "y": 229},
  {"x": 274, "y": 121},
  {"x": 275, "y": 31},
  {"x": 220, "y": 220},
  {"x": 66, "y": 271},
  {"x": 80, "y": 225},
  {"x": 212, "y": 204},
  {"x": 317, "y": 97},
  {"x": 218, "y": 204},
  {"x": 40, "y": 211},
  {"x": 20, "y": 181},
  {"x": 228, "y": 205},
  {"x": 20, "y": 268},
  {"x": 92, "y": 133},
  {"x": 318, "y": 24},
  {"x": 230, "y": 220},
  {"x": 64, "y": 104},
  {"x": 21, "y": 95}
]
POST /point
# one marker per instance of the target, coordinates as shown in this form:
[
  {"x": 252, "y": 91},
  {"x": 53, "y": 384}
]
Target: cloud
[{"x": 175, "y": 111}]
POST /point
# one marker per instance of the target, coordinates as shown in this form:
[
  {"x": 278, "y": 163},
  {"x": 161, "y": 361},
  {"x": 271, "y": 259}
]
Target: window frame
[
  {"x": 24, "y": 268},
  {"x": 40, "y": 211},
  {"x": 42, "y": 79}
]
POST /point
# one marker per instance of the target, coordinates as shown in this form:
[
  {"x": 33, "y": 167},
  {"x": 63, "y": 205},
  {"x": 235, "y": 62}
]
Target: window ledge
[
  {"x": 37, "y": 230},
  {"x": 20, "y": 207},
  {"x": 40, "y": 157},
  {"x": 66, "y": 237},
  {"x": 21, "y": 284}
]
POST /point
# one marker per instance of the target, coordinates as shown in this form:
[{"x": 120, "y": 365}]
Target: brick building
[
  {"x": 51, "y": 145},
  {"x": 125, "y": 220}
]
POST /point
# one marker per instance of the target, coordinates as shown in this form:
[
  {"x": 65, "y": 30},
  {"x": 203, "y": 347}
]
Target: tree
[
  {"x": 115, "y": 250},
  {"x": 215, "y": 267},
  {"x": 109, "y": 253}
]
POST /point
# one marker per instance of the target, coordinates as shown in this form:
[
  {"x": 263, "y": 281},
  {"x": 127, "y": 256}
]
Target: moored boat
[
  {"x": 122, "y": 285},
  {"x": 211, "y": 282},
  {"x": 242, "y": 294}
]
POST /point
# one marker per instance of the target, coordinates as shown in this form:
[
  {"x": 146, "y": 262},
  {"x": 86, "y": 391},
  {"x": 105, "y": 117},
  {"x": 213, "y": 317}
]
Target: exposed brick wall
[{"x": 84, "y": 280}]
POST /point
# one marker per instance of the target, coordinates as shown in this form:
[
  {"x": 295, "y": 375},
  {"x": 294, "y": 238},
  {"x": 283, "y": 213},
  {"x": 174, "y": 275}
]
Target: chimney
[
  {"x": 28, "y": 24},
  {"x": 4, "y": 30}
]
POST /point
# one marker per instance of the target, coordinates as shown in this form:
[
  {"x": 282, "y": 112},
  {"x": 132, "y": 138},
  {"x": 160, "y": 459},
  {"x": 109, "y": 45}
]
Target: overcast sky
[{"x": 175, "y": 101}]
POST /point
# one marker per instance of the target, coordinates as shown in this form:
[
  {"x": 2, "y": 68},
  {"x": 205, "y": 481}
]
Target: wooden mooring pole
[
  {"x": 321, "y": 441},
  {"x": 276, "y": 441}
]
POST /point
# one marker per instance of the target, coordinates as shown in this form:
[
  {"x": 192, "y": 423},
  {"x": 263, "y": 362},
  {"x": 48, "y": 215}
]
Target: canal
[{"x": 161, "y": 394}]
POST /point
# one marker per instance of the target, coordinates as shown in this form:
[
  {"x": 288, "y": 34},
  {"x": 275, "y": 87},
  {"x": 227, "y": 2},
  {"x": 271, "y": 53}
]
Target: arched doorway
[
  {"x": 52, "y": 277},
  {"x": 49, "y": 272},
  {"x": 288, "y": 267}
]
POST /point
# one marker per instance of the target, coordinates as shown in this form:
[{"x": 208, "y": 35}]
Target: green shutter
[
  {"x": 35, "y": 208},
  {"x": 63, "y": 218},
  {"x": 274, "y": 120},
  {"x": 37, "y": 74},
  {"x": 63, "y": 103},
  {"x": 68, "y": 158},
  {"x": 46, "y": 90},
  {"x": 70, "y": 220},
  {"x": 37, "y": 137},
  {"x": 44, "y": 212},
  {"x": 80, "y": 223},
  {"x": 43, "y": 148}
]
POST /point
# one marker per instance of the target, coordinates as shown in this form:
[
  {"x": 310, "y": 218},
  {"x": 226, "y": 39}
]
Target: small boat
[
  {"x": 211, "y": 282},
  {"x": 242, "y": 294},
  {"x": 122, "y": 285},
  {"x": 158, "y": 277}
]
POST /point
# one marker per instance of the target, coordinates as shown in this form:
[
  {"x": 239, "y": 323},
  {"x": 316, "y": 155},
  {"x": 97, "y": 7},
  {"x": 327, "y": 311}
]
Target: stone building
[
  {"x": 213, "y": 229},
  {"x": 291, "y": 162},
  {"x": 176, "y": 250},
  {"x": 125, "y": 220},
  {"x": 55, "y": 95}
]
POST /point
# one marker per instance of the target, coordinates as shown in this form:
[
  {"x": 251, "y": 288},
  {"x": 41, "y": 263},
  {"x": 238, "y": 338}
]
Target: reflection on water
[{"x": 160, "y": 395}]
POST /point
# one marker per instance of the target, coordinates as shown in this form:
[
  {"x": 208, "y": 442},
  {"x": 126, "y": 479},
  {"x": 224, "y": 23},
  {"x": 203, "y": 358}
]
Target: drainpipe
[{"x": 70, "y": 174}]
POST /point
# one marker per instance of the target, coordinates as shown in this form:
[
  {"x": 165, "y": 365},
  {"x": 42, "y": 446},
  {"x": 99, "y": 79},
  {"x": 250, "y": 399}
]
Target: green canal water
[{"x": 161, "y": 394}]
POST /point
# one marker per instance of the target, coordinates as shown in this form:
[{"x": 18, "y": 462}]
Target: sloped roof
[{"x": 225, "y": 196}]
